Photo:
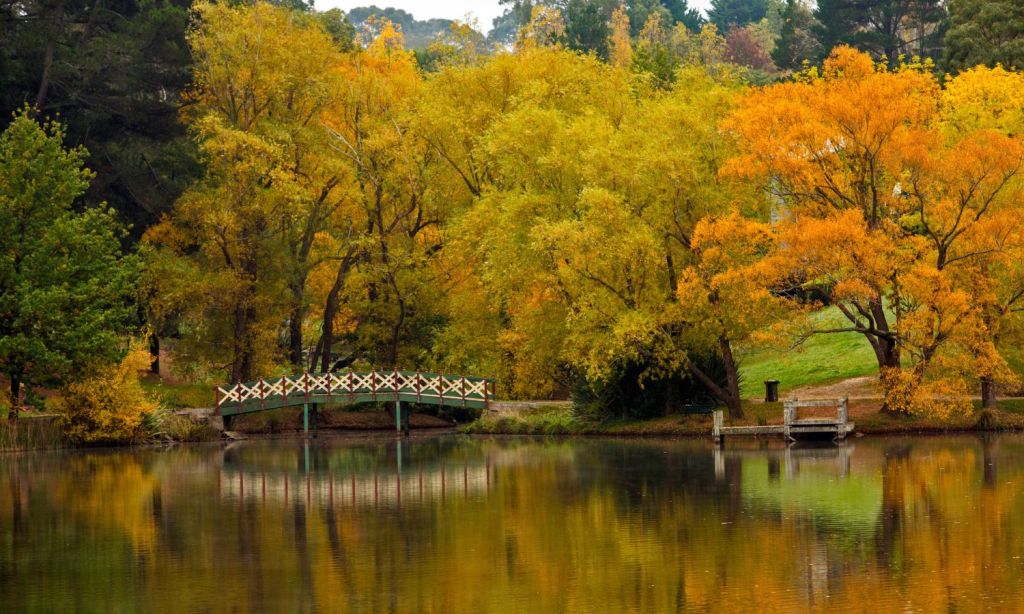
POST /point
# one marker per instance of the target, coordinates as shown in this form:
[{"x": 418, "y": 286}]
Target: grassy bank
[
  {"x": 549, "y": 420},
  {"x": 180, "y": 395},
  {"x": 822, "y": 359}
]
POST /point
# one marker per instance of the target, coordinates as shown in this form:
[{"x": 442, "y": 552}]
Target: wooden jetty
[{"x": 794, "y": 427}]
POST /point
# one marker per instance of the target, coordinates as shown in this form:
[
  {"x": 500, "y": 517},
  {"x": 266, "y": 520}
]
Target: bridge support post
[
  {"x": 398, "y": 416},
  {"x": 305, "y": 419}
]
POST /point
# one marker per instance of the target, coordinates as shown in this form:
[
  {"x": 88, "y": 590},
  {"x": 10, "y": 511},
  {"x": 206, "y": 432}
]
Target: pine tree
[
  {"x": 986, "y": 32},
  {"x": 796, "y": 42},
  {"x": 882, "y": 28},
  {"x": 727, "y": 13}
]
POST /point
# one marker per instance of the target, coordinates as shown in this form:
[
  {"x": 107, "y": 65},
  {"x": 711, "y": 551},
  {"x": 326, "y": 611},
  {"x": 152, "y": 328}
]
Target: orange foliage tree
[{"x": 896, "y": 216}]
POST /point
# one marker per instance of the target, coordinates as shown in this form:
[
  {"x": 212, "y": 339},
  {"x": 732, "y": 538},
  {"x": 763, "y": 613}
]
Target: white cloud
[{"x": 484, "y": 11}]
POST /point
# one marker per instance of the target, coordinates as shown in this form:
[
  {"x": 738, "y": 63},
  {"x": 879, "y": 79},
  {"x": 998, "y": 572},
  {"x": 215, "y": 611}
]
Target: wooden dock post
[
  {"x": 788, "y": 417},
  {"x": 716, "y": 431}
]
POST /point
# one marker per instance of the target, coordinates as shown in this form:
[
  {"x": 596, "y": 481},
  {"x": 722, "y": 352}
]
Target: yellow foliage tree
[
  {"x": 620, "y": 47},
  {"x": 233, "y": 259}
]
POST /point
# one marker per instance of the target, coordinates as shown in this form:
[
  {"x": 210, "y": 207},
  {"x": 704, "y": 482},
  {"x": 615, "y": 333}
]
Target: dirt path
[{"x": 855, "y": 388}]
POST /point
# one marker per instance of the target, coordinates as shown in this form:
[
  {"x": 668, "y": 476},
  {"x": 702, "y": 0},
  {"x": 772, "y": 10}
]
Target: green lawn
[{"x": 822, "y": 359}]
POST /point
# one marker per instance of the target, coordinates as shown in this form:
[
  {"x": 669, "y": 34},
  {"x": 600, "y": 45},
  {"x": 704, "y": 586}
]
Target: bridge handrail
[{"x": 341, "y": 384}]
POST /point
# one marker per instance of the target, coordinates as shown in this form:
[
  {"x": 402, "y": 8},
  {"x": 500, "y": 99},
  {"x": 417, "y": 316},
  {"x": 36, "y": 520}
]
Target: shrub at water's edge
[{"x": 110, "y": 406}]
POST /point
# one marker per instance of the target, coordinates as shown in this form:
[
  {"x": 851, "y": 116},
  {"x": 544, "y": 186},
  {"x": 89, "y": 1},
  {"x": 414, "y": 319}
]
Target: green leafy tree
[
  {"x": 985, "y": 32},
  {"x": 65, "y": 287}
]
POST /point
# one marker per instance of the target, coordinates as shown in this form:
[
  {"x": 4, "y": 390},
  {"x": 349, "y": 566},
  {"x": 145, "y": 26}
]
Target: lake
[{"x": 471, "y": 524}]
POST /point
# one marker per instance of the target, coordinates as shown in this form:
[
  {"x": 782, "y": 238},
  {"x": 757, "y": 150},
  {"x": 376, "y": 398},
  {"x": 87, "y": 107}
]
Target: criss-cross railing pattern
[{"x": 356, "y": 386}]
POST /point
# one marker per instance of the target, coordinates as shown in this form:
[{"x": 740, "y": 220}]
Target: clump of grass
[
  {"x": 540, "y": 421},
  {"x": 186, "y": 429}
]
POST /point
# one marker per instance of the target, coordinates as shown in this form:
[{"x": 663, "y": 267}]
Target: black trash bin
[{"x": 771, "y": 391}]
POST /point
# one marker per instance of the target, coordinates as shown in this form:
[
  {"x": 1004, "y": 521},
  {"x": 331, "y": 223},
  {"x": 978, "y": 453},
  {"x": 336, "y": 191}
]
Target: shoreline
[
  {"x": 540, "y": 420},
  {"x": 867, "y": 418}
]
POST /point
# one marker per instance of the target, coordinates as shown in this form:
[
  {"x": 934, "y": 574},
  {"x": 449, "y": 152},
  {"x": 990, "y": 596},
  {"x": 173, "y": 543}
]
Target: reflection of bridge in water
[{"x": 413, "y": 484}]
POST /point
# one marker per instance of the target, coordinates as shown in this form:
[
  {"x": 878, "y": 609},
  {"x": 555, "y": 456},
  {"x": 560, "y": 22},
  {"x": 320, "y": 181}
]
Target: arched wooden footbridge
[{"x": 310, "y": 390}]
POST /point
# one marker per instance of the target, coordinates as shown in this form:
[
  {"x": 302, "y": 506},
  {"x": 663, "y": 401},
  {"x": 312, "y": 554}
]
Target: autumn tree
[
  {"x": 65, "y": 287},
  {"x": 887, "y": 213},
  {"x": 546, "y": 27},
  {"x": 581, "y": 256},
  {"x": 983, "y": 99},
  {"x": 743, "y": 49},
  {"x": 376, "y": 294},
  {"x": 620, "y": 48}
]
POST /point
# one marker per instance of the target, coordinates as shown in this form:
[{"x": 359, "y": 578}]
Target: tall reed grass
[{"x": 40, "y": 433}]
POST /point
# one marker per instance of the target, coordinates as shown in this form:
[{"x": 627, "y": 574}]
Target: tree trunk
[
  {"x": 154, "y": 354},
  {"x": 732, "y": 377},
  {"x": 729, "y": 396},
  {"x": 243, "y": 360},
  {"x": 331, "y": 306},
  {"x": 15, "y": 395},
  {"x": 326, "y": 343},
  {"x": 295, "y": 330},
  {"x": 988, "y": 393}
]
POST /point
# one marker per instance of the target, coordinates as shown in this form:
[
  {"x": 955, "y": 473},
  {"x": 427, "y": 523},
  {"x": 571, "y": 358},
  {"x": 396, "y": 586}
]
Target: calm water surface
[{"x": 458, "y": 524}]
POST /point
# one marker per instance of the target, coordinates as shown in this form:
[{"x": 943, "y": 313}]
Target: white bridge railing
[{"x": 357, "y": 386}]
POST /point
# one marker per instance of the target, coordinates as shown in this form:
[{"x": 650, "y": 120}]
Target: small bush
[{"x": 110, "y": 406}]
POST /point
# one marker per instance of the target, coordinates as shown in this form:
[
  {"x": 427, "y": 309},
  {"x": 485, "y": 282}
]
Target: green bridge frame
[{"x": 313, "y": 389}]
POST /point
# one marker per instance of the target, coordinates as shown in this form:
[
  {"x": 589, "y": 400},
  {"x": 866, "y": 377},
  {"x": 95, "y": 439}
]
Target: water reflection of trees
[{"x": 561, "y": 526}]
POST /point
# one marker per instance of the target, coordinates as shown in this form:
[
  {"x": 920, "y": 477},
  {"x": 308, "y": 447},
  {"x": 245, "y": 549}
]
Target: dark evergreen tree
[
  {"x": 417, "y": 33},
  {"x": 682, "y": 13},
  {"x": 986, "y": 32},
  {"x": 728, "y": 13},
  {"x": 586, "y": 25},
  {"x": 114, "y": 72},
  {"x": 796, "y": 42},
  {"x": 883, "y": 28}
]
